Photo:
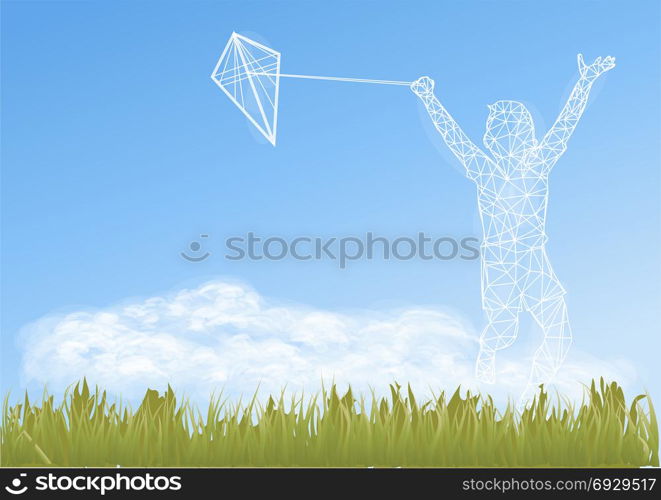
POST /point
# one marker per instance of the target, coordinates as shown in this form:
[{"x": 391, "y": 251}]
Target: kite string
[{"x": 333, "y": 78}]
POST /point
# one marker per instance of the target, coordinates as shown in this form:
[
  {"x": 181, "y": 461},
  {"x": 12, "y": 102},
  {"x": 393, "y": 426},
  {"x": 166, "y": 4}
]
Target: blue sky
[{"x": 118, "y": 150}]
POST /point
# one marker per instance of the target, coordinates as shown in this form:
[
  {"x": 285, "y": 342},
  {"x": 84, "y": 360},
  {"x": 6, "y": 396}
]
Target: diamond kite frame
[
  {"x": 244, "y": 69},
  {"x": 235, "y": 42}
]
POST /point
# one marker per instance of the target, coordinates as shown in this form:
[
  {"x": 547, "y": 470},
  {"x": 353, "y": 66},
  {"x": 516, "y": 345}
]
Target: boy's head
[{"x": 510, "y": 130}]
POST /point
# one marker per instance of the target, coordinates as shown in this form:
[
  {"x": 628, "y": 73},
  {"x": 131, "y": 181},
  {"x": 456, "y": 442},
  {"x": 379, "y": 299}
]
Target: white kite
[{"x": 249, "y": 74}]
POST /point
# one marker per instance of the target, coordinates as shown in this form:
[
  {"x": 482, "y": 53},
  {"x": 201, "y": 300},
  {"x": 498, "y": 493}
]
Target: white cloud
[{"x": 225, "y": 335}]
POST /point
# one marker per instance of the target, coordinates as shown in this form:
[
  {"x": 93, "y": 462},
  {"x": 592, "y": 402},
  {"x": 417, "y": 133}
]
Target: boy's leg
[{"x": 501, "y": 301}]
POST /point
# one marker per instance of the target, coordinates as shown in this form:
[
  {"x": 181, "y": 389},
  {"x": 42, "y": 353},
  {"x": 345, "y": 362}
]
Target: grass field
[{"x": 329, "y": 429}]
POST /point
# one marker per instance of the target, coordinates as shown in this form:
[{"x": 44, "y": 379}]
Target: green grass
[{"x": 329, "y": 429}]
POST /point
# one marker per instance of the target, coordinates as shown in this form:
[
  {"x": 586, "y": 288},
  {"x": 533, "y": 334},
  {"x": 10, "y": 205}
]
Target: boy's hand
[
  {"x": 597, "y": 68},
  {"x": 423, "y": 86}
]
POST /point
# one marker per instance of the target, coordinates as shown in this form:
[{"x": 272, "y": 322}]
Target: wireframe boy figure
[{"x": 512, "y": 188}]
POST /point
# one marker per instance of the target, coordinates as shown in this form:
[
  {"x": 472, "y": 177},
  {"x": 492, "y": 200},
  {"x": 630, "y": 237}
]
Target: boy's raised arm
[
  {"x": 476, "y": 162},
  {"x": 554, "y": 143}
]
